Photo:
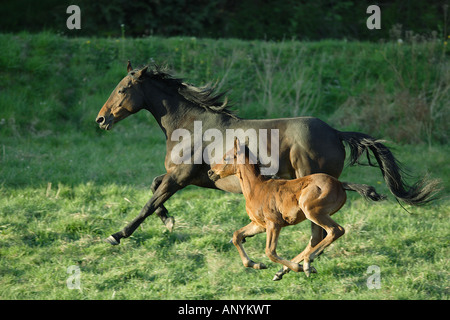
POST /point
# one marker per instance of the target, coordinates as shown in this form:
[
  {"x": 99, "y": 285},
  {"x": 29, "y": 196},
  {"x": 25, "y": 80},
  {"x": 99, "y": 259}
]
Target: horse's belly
[{"x": 229, "y": 184}]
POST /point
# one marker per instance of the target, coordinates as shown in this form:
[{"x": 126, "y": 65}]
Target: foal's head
[
  {"x": 228, "y": 166},
  {"x": 126, "y": 99}
]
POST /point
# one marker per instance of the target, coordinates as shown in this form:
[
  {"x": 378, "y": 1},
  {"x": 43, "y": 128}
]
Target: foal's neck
[{"x": 249, "y": 177}]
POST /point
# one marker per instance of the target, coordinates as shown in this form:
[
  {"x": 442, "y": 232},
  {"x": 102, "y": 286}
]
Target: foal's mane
[{"x": 205, "y": 96}]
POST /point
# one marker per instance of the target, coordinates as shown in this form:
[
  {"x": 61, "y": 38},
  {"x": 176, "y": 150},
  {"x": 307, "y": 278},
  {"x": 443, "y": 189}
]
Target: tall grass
[
  {"x": 412, "y": 104},
  {"x": 400, "y": 91}
]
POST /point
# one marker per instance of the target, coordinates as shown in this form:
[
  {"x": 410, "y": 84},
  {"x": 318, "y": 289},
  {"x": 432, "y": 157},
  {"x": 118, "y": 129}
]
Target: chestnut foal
[{"x": 272, "y": 204}]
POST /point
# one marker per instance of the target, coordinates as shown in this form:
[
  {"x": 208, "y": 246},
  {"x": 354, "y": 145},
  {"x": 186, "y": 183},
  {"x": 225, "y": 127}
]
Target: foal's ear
[
  {"x": 237, "y": 146},
  {"x": 129, "y": 67}
]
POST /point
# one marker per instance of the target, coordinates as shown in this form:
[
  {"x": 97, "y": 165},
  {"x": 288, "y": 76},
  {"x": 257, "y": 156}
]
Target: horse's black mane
[{"x": 204, "y": 96}]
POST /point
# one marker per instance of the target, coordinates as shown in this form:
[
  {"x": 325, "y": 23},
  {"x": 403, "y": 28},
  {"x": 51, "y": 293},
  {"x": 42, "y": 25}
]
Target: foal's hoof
[
  {"x": 308, "y": 269},
  {"x": 170, "y": 222},
  {"x": 278, "y": 276},
  {"x": 112, "y": 241},
  {"x": 253, "y": 265},
  {"x": 231, "y": 241},
  {"x": 259, "y": 266}
]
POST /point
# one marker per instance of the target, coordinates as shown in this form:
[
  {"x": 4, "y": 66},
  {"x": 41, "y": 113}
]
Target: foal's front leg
[
  {"x": 249, "y": 230},
  {"x": 273, "y": 232}
]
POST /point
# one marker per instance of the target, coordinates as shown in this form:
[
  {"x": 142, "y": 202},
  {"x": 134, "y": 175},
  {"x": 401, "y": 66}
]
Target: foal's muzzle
[{"x": 213, "y": 176}]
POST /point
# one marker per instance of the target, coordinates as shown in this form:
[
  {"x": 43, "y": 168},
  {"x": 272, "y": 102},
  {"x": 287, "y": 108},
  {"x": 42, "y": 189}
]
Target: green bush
[{"x": 249, "y": 19}]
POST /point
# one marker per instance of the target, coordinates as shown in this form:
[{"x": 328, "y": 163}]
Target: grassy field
[
  {"x": 65, "y": 185},
  {"x": 99, "y": 184}
]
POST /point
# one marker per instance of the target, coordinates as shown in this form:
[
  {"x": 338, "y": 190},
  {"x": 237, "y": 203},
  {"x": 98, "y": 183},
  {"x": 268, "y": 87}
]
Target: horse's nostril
[
  {"x": 100, "y": 120},
  {"x": 210, "y": 173}
]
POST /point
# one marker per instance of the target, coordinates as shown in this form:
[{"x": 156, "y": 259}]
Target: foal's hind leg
[
  {"x": 248, "y": 231},
  {"x": 316, "y": 237},
  {"x": 334, "y": 231}
]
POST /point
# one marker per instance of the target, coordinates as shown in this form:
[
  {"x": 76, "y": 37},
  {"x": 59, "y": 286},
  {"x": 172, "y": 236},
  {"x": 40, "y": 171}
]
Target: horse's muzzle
[{"x": 105, "y": 123}]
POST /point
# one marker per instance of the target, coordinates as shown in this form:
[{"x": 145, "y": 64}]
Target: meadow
[{"x": 65, "y": 185}]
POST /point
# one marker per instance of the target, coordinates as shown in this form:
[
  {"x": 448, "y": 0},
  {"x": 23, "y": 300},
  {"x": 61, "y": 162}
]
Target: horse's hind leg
[
  {"x": 248, "y": 231},
  {"x": 162, "y": 212}
]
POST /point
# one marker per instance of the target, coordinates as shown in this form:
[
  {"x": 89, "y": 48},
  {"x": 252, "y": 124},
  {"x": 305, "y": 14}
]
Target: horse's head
[
  {"x": 228, "y": 166},
  {"x": 127, "y": 98}
]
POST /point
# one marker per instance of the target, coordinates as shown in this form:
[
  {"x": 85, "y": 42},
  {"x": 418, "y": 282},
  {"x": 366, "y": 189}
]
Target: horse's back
[
  {"x": 307, "y": 145},
  {"x": 315, "y": 147}
]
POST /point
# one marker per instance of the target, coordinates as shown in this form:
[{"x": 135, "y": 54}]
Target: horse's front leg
[
  {"x": 161, "y": 211},
  {"x": 166, "y": 189}
]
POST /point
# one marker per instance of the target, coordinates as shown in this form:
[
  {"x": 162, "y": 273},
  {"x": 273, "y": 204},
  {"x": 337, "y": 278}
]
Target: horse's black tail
[
  {"x": 366, "y": 191},
  {"x": 421, "y": 192}
]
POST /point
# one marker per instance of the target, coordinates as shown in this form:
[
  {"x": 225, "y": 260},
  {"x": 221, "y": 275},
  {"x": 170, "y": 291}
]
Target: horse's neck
[
  {"x": 171, "y": 112},
  {"x": 249, "y": 178},
  {"x": 162, "y": 111}
]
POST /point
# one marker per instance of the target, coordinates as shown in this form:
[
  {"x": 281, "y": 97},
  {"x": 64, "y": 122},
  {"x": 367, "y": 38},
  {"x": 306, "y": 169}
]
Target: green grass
[
  {"x": 98, "y": 184},
  {"x": 65, "y": 185}
]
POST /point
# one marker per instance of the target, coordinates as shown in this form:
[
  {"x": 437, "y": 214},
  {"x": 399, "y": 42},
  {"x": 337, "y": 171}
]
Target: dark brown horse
[
  {"x": 303, "y": 145},
  {"x": 273, "y": 204}
]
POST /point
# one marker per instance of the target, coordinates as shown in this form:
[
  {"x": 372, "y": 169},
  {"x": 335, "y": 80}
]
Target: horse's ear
[
  {"x": 141, "y": 72},
  {"x": 129, "y": 67}
]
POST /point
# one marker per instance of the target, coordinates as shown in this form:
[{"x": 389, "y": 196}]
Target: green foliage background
[
  {"x": 247, "y": 19},
  {"x": 398, "y": 91}
]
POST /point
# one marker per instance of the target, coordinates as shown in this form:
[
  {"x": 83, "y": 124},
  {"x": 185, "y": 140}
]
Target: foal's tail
[
  {"x": 366, "y": 191},
  {"x": 419, "y": 193}
]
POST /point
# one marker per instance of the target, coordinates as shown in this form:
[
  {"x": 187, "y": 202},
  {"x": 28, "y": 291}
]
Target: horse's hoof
[
  {"x": 112, "y": 241},
  {"x": 170, "y": 222}
]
